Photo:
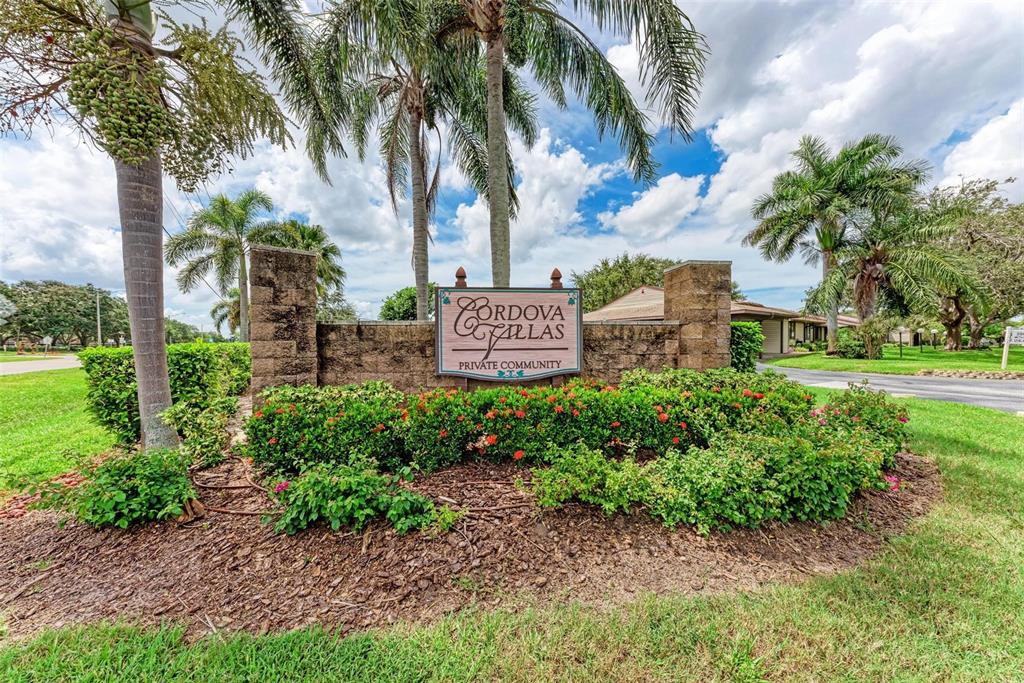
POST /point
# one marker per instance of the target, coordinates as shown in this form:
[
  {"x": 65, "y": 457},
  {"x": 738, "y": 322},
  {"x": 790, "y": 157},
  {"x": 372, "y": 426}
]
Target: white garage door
[{"x": 772, "y": 335}]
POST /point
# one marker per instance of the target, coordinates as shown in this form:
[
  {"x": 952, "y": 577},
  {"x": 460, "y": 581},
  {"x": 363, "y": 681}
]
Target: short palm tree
[
  {"x": 217, "y": 238},
  {"x": 535, "y": 34},
  {"x": 896, "y": 257},
  {"x": 227, "y": 311},
  {"x": 297, "y": 235},
  {"x": 812, "y": 207}
]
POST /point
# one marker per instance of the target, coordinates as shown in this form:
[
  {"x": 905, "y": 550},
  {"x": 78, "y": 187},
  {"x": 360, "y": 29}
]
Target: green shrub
[
  {"x": 860, "y": 408},
  {"x": 297, "y": 427},
  {"x": 128, "y": 488},
  {"x": 198, "y": 374},
  {"x": 589, "y": 476},
  {"x": 746, "y": 339},
  {"x": 203, "y": 431},
  {"x": 849, "y": 346},
  {"x": 350, "y": 496}
]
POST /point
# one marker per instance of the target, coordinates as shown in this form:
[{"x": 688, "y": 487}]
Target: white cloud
[
  {"x": 657, "y": 211},
  {"x": 995, "y": 151}
]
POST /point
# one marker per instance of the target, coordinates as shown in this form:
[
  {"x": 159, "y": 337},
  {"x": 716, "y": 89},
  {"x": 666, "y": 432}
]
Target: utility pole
[{"x": 99, "y": 330}]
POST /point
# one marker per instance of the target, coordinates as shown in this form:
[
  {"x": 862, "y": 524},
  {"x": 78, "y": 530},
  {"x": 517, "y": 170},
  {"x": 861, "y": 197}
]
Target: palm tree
[
  {"x": 896, "y": 258},
  {"x": 218, "y": 238},
  {"x": 297, "y": 235},
  {"x": 812, "y": 207},
  {"x": 227, "y": 310},
  {"x": 533, "y": 33},
  {"x": 386, "y": 65}
]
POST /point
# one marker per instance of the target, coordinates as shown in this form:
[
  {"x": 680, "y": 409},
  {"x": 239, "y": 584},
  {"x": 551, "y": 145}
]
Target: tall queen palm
[
  {"x": 811, "y": 208},
  {"x": 181, "y": 106},
  {"x": 534, "y": 34}
]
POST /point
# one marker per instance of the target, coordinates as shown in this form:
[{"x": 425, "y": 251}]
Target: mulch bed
[{"x": 230, "y": 572}]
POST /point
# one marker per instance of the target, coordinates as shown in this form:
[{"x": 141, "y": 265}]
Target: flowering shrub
[
  {"x": 296, "y": 427},
  {"x": 870, "y": 410},
  {"x": 127, "y": 489},
  {"x": 351, "y": 496}
]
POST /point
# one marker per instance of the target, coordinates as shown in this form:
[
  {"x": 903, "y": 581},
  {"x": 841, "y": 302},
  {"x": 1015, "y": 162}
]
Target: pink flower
[
  {"x": 283, "y": 486},
  {"x": 894, "y": 482},
  {"x": 904, "y": 419},
  {"x": 822, "y": 421}
]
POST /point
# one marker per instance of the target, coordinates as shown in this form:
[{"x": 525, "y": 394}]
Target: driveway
[
  {"x": 1002, "y": 394},
  {"x": 23, "y": 366}
]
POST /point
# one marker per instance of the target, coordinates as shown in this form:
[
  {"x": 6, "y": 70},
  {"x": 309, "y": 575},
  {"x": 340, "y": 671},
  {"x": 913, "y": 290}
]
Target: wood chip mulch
[{"x": 232, "y": 572}]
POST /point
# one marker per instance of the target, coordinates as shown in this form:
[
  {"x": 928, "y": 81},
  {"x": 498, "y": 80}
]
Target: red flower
[
  {"x": 748, "y": 393},
  {"x": 659, "y": 409},
  {"x": 460, "y": 418},
  {"x": 272, "y": 440},
  {"x": 490, "y": 415},
  {"x": 662, "y": 417},
  {"x": 616, "y": 424},
  {"x": 552, "y": 398},
  {"x": 736, "y": 405},
  {"x": 502, "y": 400},
  {"x": 808, "y": 397},
  {"x": 518, "y": 455},
  {"x": 258, "y": 413},
  {"x": 405, "y": 415},
  {"x": 443, "y": 433},
  {"x": 49, "y": 40},
  {"x": 520, "y": 413},
  {"x": 759, "y": 396},
  {"x": 575, "y": 413},
  {"x": 378, "y": 428},
  {"x": 491, "y": 439},
  {"x": 559, "y": 409},
  {"x": 279, "y": 411},
  {"x": 682, "y": 425},
  {"x": 716, "y": 389},
  {"x": 675, "y": 440},
  {"x": 524, "y": 393}
]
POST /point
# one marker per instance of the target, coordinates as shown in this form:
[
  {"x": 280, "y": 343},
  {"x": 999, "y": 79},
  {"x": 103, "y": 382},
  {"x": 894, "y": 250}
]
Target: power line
[{"x": 181, "y": 224}]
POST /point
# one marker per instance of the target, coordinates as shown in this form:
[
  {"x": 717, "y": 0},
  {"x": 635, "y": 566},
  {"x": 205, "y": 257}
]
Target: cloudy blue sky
[{"x": 946, "y": 78}]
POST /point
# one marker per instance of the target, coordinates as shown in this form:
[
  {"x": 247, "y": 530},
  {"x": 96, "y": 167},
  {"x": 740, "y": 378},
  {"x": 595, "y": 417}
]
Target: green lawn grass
[
  {"x": 914, "y": 358},
  {"x": 944, "y": 602},
  {"x": 14, "y": 356},
  {"x": 44, "y": 426}
]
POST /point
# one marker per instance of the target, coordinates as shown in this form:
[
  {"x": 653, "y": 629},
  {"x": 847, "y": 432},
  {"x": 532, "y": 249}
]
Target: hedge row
[
  {"x": 199, "y": 373},
  {"x": 746, "y": 339}
]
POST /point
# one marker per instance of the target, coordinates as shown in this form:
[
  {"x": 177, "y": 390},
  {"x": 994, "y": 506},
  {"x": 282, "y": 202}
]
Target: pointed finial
[
  {"x": 460, "y": 277},
  {"x": 556, "y": 279}
]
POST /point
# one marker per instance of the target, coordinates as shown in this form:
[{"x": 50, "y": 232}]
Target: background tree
[
  {"x": 895, "y": 259},
  {"x": 64, "y": 312},
  {"x": 612, "y": 278},
  {"x": 181, "y": 333},
  {"x": 735, "y": 293},
  {"x": 186, "y": 103},
  {"x": 989, "y": 240},
  {"x": 812, "y": 207},
  {"x": 533, "y": 34},
  {"x": 402, "y": 304},
  {"x": 227, "y": 312},
  {"x": 334, "y": 308},
  {"x": 217, "y": 239},
  {"x": 330, "y": 276}
]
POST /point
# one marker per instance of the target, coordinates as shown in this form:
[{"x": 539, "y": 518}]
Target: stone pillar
[
  {"x": 698, "y": 295},
  {"x": 283, "y": 313}
]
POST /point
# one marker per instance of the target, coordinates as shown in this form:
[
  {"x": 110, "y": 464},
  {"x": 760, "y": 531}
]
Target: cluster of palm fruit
[
  {"x": 120, "y": 89},
  {"x": 515, "y": 30}
]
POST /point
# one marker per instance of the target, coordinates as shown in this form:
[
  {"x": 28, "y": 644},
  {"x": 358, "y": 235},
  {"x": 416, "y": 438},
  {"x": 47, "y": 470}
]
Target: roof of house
[
  {"x": 844, "y": 320},
  {"x": 648, "y": 303}
]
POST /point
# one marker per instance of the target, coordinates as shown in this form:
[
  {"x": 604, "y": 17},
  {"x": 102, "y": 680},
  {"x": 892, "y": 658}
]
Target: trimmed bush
[
  {"x": 198, "y": 373},
  {"x": 127, "y": 489},
  {"x": 746, "y": 339},
  {"x": 351, "y": 496},
  {"x": 849, "y": 346}
]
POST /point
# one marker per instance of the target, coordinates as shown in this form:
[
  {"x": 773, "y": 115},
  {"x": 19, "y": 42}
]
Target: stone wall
[{"x": 289, "y": 347}]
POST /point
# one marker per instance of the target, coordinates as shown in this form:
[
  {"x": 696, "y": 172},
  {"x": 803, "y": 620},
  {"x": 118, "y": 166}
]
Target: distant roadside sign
[{"x": 1014, "y": 335}]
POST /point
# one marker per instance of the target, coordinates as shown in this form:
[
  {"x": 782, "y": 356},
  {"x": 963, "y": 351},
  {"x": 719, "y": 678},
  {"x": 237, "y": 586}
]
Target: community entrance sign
[{"x": 513, "y": 334}]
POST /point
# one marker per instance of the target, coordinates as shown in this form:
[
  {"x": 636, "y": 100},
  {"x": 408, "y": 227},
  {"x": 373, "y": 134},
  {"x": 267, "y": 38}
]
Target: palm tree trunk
[
  {"x": 243, "y": 298},
  {"x": 832, "y": 318},
  {"x": 497, "y": 163},
  {"x": 140, "y": 205},
  {"x": 420, "y": 262}
]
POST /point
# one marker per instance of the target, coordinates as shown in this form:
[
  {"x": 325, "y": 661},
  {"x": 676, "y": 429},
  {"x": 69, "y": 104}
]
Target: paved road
[
  {"x": 22, "y": 366},
  {"x": 1001, "y": 394}
]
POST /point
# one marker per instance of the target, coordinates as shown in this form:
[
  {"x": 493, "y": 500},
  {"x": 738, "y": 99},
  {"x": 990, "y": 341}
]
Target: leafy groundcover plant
[{"x": 128, "y": 488}]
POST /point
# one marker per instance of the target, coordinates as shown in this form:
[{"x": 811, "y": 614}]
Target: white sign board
[
  {"x": 47, "y": 341},
  {"x": 1014, "y": 335}
]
